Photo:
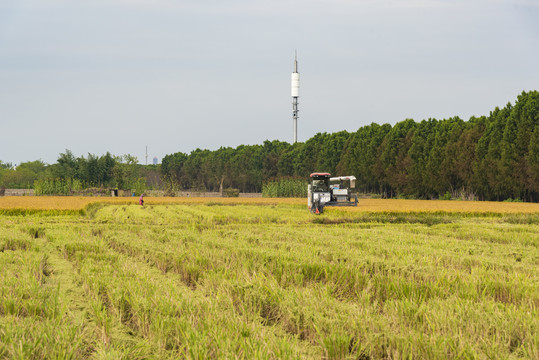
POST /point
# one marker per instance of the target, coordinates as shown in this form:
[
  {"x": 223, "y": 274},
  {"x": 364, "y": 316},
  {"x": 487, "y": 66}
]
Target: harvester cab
[{"x": 324, "y": 190}]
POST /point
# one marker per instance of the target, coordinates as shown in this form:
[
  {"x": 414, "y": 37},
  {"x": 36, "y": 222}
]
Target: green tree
[
  {"x": 417, "y": 158},
  {"x": 532, "y": 168},
  {"x": 5, "y": 166},
  {"x": 361, "y": 154},
  {"x": 523, "y": 118},
  {"x": 466, "y": 146},
  {"x": 488, "y": 178},
  {"x": 66, "y": 166},
  {"x": 392, "y": 167},
  {"x": 331, "y": 150},
  {"x": 441, "y": 164}
]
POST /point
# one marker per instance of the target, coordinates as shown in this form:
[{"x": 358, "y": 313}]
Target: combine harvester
[{"x": 324, "y": 190}]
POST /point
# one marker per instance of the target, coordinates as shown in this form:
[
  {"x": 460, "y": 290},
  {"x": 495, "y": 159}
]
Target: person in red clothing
[{"x": 141, "y": 199}]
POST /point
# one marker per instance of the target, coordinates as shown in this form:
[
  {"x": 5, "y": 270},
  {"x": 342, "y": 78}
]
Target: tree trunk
[{"x": 221, "y": 190}]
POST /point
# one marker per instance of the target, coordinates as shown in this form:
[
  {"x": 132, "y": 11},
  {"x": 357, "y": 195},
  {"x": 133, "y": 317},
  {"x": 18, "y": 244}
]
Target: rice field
[
  {"x": 78, "y": 203},
  {"x": 244, "y": 278}
]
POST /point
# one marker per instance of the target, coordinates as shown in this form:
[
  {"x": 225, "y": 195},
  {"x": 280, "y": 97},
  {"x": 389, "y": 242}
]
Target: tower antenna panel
[{"x": 295, "y": 96}]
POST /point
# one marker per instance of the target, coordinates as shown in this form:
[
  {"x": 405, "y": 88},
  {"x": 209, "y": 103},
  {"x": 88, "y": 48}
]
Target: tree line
[
  {"x": 494, "y": 157},
  {"x": 70, "y": 172}
]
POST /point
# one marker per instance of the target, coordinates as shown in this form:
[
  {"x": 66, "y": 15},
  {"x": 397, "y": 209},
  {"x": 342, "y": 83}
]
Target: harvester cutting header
[{"x": 324, "y": 190}]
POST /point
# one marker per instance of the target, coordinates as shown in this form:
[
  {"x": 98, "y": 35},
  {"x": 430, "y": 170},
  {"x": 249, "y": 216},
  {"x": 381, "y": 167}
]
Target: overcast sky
[{"x": 115, "y": 75}]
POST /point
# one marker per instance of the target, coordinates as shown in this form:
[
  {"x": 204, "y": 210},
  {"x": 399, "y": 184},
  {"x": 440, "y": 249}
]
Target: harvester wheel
[{"x": 316, "y": 207}]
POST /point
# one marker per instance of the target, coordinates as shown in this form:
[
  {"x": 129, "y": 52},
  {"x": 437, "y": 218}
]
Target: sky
[{"x": 94, "y": 76}]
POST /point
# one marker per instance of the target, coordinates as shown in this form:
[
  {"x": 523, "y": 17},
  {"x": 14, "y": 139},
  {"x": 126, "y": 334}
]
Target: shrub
[
  {"x": 285, "y": 187},
  {"x": 57, "y": 186},
  {"x": 231, "y": 192},
  {"x": 447, "y": 196}
]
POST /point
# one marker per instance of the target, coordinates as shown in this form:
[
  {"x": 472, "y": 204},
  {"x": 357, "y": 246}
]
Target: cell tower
[{"x": 295, "y": 95}]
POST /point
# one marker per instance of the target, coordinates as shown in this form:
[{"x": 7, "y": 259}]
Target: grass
[{"x": 198, "y": 278}]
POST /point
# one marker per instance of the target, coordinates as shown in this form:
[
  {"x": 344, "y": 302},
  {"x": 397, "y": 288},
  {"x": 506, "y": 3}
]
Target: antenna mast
[
  {"x": 295, "y": 95},
  {"x": 146, "y": 154}
]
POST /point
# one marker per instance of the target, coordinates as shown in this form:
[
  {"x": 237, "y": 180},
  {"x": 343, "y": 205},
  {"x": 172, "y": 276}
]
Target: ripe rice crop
[
  {"x": 394, "y": 205},
  {"x": 77, "y": 203},
  {"x": 12, "y": 204}
]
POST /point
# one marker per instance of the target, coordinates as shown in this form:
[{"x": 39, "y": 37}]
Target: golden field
[
  {"x": 364, "y": 205},
  {"x": 194, "y": 278}
]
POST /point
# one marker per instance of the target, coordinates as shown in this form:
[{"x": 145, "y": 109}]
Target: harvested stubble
[{"x": 201, "y": 280}]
